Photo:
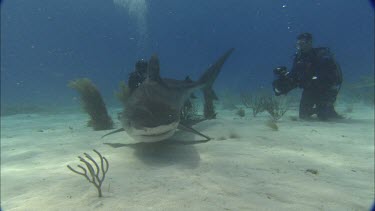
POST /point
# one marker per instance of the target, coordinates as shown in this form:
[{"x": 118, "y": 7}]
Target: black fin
[
  {"x": 153, "y": 69},
  {"x": 210, "y": 93},
  {"x": 209, "y": 77},
  {"x": 112, "y": 132}
]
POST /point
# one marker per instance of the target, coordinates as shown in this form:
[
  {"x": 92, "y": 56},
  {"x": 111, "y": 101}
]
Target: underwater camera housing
[
  {"x": 281, "y": 71},
  {"x": 283, "y": 83}
]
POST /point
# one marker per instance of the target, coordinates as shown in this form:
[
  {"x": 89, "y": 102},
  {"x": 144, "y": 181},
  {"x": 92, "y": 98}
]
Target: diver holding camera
[{"x": 317, "y": 73}]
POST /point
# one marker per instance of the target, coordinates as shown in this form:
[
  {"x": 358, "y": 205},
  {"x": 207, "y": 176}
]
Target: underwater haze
[
  {"x": 240, "y": 135},
  {"x": 45, "y": 44}
]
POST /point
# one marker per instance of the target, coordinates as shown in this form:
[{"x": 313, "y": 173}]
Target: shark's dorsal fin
[
  {"x": 210, "y": 75},
  {"x": 112, "y": 132},
  {"x": 153, "y": 69},
  {"x": 191, "y": 130}
]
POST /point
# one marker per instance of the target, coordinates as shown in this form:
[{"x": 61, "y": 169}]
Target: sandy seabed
[{"x": 305, "y": 165}]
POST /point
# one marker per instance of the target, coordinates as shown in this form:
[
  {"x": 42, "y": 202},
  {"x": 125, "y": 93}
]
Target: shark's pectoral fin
[
  {"x": 116, "y": 145},
  {"x": 191, "y": 130},
  {"x": 112, "y": 132}
]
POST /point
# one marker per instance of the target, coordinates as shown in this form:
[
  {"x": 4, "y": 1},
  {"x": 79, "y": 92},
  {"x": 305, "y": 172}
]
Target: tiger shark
[{"x": 152, "y": 111}]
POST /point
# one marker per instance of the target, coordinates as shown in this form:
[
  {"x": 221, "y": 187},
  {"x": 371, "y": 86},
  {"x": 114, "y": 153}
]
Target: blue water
[{"x": 46, "y": 43}]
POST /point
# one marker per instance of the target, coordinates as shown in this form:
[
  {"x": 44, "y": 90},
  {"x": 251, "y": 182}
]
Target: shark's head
[
  {"x": 150, "y": 134},
  {"x": 152, "y": 111},
  {"x": 149, "y": 118}
]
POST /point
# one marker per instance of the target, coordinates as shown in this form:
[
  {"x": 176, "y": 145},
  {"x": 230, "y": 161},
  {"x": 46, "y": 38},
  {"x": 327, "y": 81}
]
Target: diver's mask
[{"x": 303, "y": 45}]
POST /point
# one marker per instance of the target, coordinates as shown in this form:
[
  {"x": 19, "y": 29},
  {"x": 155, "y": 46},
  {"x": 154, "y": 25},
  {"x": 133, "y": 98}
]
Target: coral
[
  {"x": 92, "y": 103},
  {"x": 228, "y": 100},
  {"x": 97, "y": 174},
  {"x": 275, "y": 108},
  {"x": 241, "y": 112},
  {"x": 255, "y": 102},
  {"x": 312, "y": 171},
  {"x": 189, "y": 113},
  {"x": 124, "y": 93}
]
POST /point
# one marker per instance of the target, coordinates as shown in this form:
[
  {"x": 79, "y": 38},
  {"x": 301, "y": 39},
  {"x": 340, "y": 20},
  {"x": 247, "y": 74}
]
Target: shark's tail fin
[{"x": 208, "y": 78}]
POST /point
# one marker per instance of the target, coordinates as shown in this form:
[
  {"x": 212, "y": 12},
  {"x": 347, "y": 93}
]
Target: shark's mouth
[{"x": 154, "y": 134}]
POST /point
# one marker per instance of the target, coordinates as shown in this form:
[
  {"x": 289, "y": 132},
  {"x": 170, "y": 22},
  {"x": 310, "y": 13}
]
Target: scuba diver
[
  {"x": 138, "y": 76},
  {"x": 317, "y": 73}
]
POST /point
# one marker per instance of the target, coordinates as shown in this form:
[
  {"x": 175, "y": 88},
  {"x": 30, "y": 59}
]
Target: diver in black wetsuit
[
  {"x": 138, "y": 76},
  {"x": 317, "y": 73}
]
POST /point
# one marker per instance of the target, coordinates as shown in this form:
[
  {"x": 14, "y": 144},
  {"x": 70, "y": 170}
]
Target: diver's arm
[
  {"x": 283, "y": 82},
  {"x": 293, "y": 74}
]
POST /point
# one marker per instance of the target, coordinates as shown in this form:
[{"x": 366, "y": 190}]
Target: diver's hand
[{"x": 277, "y": 92}]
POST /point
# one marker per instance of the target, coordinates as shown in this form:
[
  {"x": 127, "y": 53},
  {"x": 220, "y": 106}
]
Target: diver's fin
[
  {"x": 112, "y": 132},
  {"x": 191, "y": 130}
]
